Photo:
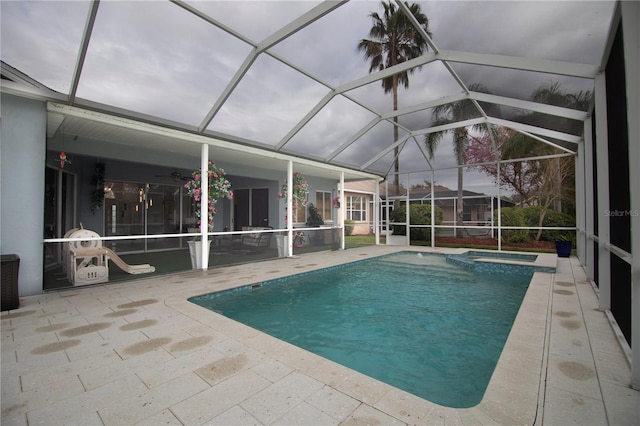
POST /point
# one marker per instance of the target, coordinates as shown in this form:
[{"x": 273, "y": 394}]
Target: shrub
[
  {"x": 314, "y": 218},
  {"x": 420, "y": 214},
  {"x": 348, "y": 227},
  {"x": 513, "y": 216},
  {"x": 551, "y": 218}
]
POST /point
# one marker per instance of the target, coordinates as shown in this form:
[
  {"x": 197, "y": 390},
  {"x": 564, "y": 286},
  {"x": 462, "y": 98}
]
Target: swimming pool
[{"x": 415, "y": 322}]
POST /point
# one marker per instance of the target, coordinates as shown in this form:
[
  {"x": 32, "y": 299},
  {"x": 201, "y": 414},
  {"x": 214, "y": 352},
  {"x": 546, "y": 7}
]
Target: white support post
[
  {"x": 492, "y": 222},
  {"x": 204, "y": 205},
  {"x": 580, "y": 206},
  {"x": 386, "y": 209},
  {"x": 604, "y": 232},
  {"x": 455, "y": 217},
  {"x": 343, "y": 207},
  {"x": 376, "y": 209},
  {"x": 433, "y": 210},
  {"x": 407, "y": 215},
  {"x": 499, "y": 211},
  {"x": 290, "y": 217},
  {"x": 631, "y": 37},
  {"x": 589, "y": 220}
]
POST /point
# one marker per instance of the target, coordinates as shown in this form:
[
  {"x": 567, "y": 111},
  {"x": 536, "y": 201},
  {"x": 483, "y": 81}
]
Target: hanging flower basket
[
  {"x": 219, "y": 187},
  {"x": 300, "y": 191},
  {"x": 97, "y": 196},
  {"x": 335, "y": 203}
]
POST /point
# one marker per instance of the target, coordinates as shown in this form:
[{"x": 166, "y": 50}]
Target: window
[
  {"x": 466, "y": 212},
  {"x": 301, "y": 214},
  {"x": 323, "y": 204},
  {"x": 356, "y": 208}
]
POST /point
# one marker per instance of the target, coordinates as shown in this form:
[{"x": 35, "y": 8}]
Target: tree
[
  {"x": 553, "y": 94},
  {"x": 534, "y": 181},
  {"x": 453, "y": 113},
  {"x": 484, "y": 153},
  {"x": 424, "y": 186},
  {"x": 394, "y": 40}
]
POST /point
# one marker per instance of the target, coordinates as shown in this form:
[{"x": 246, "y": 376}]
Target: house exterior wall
[
  {"x": 22, "y": 154},
  {"x": 364, "y": 227}
]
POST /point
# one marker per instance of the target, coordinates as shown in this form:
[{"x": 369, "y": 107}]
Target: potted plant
[
  {"x": 563, "y": 247},
  {"x": 218, "y": 187},
  {"x": 315, "y": 220},
  {"x": 97, "y": 195},
  {"x": 300, "y": 192},
  {"x": 298, "y": 239}
]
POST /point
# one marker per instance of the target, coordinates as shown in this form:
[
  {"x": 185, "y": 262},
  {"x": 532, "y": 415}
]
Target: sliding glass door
[
  {"x": 59, "y": 210},
  {"x": 250, "y": 207},
  {"x": 134, "y": 208}
]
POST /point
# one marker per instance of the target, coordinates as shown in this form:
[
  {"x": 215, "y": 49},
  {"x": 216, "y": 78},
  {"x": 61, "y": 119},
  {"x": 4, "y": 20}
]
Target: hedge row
[{"x": 420, "y": 214}]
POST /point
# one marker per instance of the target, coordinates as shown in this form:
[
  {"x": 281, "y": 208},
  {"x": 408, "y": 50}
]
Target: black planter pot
[{"x": 563, "y": 248}]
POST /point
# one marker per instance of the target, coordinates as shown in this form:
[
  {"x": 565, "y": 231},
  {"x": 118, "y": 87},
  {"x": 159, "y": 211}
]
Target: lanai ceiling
[{"x": 286, "y": 76}]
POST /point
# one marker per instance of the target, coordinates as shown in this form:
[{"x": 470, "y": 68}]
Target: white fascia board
[
  {"x": 31, "y": 92},
  {"x": 127, "y": 123},
  {"x": 87, "y": 105},
  {"x": 516, "y": 62}
]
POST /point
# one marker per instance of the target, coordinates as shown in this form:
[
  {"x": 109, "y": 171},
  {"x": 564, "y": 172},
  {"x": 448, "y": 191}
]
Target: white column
[
  {"x": 376, "y": 207},
  {"x": 204, "y": 208},
  {"x": 580, "y": 206},
  {"x": 499, "y": 211},
  {"x": 386, "y": 208},
  {"x": 407, "y": 215},
  {"x": 631, "y": 37},
  {"x": 433, "y": 209},
  {"x": 589, "y": 220},
  {"x": 602, "y": 154},
  {"x": 290, "y": 218},
  {"x": 343, "y": 207}
]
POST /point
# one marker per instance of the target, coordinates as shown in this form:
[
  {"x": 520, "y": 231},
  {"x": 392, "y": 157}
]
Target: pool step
[{"x": 490, "y": 265}]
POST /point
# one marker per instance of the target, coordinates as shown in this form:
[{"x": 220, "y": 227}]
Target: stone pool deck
[{"x": 139, "y": 353}]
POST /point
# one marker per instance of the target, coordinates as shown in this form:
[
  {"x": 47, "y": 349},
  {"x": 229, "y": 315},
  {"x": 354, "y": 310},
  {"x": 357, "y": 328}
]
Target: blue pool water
[{"x": 413, "y": 321}]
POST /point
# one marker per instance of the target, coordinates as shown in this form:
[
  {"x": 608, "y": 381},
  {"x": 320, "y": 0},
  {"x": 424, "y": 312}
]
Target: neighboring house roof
[{"x": 443, "y": 194}]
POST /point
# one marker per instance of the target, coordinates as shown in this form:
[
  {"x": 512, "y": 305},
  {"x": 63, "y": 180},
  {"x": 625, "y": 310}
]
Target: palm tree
[
  {"x": 394, "y": 40},
  {"x": 553, "y": 94},
  {"x": 453, "y": 113}
]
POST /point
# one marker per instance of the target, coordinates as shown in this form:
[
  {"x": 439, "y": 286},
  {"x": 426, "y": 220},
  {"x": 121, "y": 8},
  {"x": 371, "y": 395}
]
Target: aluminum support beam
[
  {"x": 581, "y": 240},
  {"x": 602, "y": 154},
  {"x": 589, "y": 200},
  {"x": 631, "y": 35},
  {"x": 204, "y": 205}
]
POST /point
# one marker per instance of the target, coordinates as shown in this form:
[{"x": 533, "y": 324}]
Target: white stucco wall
[{"x": 22, "y": 159}]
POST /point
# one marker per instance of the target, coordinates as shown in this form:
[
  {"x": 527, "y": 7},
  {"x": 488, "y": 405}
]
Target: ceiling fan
[{"x": 176, "y": 176}]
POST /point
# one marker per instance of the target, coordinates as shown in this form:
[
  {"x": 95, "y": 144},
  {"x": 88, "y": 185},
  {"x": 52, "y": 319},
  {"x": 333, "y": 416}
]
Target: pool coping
[{"x": 513, "y": 393}]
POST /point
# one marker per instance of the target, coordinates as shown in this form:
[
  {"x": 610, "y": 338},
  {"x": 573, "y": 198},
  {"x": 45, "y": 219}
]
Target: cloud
[{"x": 158, "y": 59}]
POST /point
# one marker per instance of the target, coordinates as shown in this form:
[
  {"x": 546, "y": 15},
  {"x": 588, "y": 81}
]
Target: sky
[{"x": 156, "y": 58}]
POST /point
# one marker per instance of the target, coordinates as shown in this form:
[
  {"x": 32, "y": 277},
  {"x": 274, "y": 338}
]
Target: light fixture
[{"x": 108, "y": 193}]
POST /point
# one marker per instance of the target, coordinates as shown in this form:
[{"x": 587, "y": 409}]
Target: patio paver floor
[{"x": 138, "y": 352}]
